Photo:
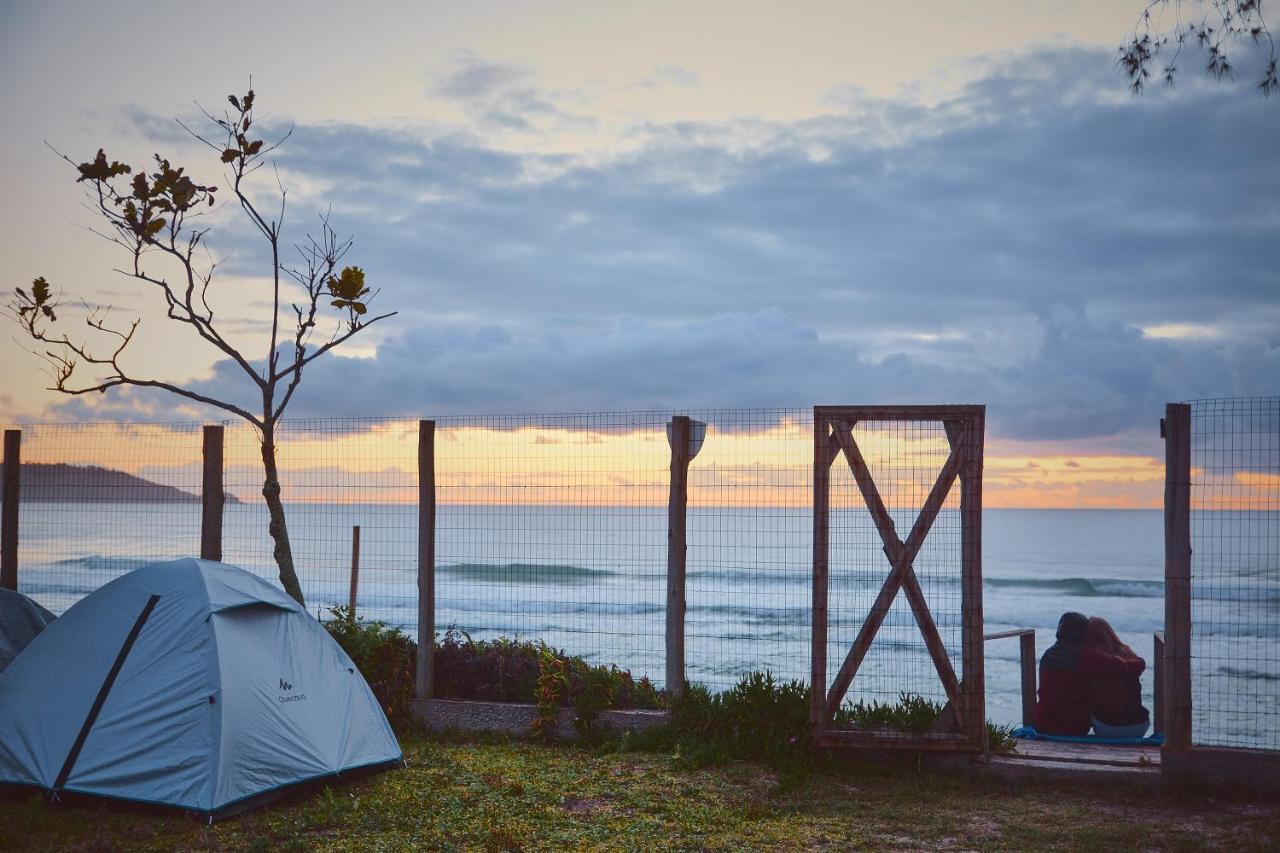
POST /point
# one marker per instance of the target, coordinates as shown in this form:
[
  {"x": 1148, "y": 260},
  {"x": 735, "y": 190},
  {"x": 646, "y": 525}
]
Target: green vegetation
[
  {"x": 912, "y": 713},
  {"x": 501, "y": 670},
  {"x": 509, "y": 670},
  {"x": 468, "y": 795},
  {"x": 760, "y": 718},
  {"x": 767, "y": 720}
]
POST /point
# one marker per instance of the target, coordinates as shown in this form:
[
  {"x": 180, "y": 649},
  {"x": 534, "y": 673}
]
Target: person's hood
[
  {"x": 1065, "y": 653},
  {"x": 1071, "y": 627}
]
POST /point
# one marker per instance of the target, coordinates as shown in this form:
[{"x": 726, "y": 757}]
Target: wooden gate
[{"x": 962, "y": 726}]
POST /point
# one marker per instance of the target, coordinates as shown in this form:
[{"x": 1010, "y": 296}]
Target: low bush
[
  {"x": 765, "y": 719},
  {"x": 912, "y": 713},
  {"x": 512, "y": 670}
]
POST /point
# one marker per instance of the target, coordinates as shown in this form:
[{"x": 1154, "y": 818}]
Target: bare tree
[
  {"x": 1211, "y": 27},
  {"x": 153, "y": 216}
]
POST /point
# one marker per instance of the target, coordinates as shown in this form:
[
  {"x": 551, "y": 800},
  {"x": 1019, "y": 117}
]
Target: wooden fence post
[
  {"x": 822, "y": 460},
  {"x": 1157, "y": 687},
  {"x": 355, "y": 568},
  {"x": 1176, "y": 673},
  {"x": 9, "y": 513},
  {"x": 1027, "y": 659},
  {"x": 212, "y": 494},
  {"x": 677, "y": 542},
  {"x": 426, "y": 558},
  {"x": 974, "y": 655}
]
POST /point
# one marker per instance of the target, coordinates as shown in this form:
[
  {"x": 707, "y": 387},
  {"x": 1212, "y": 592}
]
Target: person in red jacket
[
  {"x": 1065, "y": 672},
  {"x": 1115, "y": 697}
]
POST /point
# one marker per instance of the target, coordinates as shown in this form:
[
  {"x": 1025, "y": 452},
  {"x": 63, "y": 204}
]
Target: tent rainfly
[
  {"x": 191, "y": 684},
  {"x": 20, "y": 620}
]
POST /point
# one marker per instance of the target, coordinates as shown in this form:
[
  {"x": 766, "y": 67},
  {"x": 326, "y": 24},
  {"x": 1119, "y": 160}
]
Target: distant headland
[{"x": 61, "y": 483}]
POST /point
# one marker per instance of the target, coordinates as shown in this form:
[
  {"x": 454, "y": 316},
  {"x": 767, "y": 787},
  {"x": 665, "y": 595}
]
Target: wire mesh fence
[
  {"x": 98, "y": 500},
  {"x": 335, "y": 475},
  {"x": 1235, "y": 536},
  {"x": 748, "y": 582},
  {"x": 554, "y": 528},
  {"x": 549, "y": 527}
]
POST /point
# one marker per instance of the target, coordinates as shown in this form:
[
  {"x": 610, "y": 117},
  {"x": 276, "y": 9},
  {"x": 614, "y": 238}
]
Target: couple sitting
[{"x": 1089, "y": 678}]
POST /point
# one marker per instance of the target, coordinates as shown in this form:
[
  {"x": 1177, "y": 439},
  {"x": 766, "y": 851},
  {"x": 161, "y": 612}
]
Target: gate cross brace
[{"x": 901, "y": 556}]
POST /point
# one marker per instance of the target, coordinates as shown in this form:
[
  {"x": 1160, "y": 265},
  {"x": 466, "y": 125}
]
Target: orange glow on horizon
[{"x": 615, "y": 465}]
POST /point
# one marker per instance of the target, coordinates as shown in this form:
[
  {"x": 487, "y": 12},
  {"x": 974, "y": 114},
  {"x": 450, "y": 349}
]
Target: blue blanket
[{"x": 1029, "y": 733}]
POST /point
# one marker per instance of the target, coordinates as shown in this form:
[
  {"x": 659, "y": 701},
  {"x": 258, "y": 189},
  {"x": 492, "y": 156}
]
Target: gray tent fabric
[
  {"x": 186, "y": 683},
  {"x": 20, "y": 620}
]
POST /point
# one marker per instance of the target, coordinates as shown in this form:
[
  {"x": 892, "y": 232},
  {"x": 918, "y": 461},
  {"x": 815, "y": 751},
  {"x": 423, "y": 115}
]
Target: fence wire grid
[
  {"x": 1235, "y": 566},
  {"x": 99, "y": 500}
]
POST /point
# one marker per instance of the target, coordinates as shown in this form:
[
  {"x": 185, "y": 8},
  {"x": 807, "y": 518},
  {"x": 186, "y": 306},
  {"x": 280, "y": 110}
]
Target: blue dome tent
[
  {"x": 21, "y": 619},
  {"x": 191, "y": 684}
]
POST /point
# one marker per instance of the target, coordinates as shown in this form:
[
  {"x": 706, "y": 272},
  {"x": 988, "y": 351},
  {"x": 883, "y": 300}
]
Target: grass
[{"x": 496, "y": 795}]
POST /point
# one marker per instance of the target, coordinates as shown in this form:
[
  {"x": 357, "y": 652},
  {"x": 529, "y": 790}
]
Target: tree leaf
[
  {"x": 235, "y": 102},
  {"x": 230, "y": 154}
]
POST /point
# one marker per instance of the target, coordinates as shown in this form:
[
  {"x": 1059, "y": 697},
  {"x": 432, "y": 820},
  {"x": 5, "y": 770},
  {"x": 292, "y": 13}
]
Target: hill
[{"x": 61, "y": 483}]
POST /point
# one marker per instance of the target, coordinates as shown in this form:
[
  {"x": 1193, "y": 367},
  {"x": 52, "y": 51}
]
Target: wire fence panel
[
  {"x": 748, "y": 581},
  {"x": 1235, "y": 539},
  {"x": 334, "y": 475},
  {"x": 554, "y": 528},
  {"x": 98, "y": 500},
  {"x": 904, "y": 459}
]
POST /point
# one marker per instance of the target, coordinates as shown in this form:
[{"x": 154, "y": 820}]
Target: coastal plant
[
  {"x": 552, "y": 683},
  {"x": 154, "y": 214},
  {"x": 766, "y": 719},
  {"x": 508, "y": 670}
]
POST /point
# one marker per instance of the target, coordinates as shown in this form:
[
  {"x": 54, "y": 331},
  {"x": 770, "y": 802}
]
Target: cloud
[
  {"x": 1008, "y": 245},
  {"x": 502, "y": 97},
  {"x": 473, "y": 78},
  {"x": 670, "y": 75}
]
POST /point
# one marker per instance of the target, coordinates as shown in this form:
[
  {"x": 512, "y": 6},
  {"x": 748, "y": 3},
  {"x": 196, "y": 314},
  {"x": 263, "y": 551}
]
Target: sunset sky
[{"x": 609, "y": 207}]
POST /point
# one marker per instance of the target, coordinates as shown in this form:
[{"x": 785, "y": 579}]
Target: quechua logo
[{"x": 287, "y": 694}]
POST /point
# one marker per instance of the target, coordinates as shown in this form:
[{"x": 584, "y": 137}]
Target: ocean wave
[
  {"x": 1225, "y": 589},
  {"x": 99, "y": 563},
  {"x": 1087, "y": 587},
  {"x": 524, "y": 572},
  {"x": 1249, "y": 674}
]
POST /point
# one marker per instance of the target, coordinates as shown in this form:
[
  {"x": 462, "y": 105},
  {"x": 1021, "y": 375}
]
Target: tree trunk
[{"x": 277, "y": 528}]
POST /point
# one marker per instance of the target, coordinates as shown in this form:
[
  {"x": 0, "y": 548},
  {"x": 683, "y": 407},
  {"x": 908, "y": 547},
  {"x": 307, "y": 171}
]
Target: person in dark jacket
[
  {"x": 1115, "y": 698},
  {"x": 1062, "y": 707}
]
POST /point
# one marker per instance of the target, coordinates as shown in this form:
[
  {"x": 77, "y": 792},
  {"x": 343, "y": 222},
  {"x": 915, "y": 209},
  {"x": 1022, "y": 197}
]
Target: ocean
[{"x": 592, "y": 581}]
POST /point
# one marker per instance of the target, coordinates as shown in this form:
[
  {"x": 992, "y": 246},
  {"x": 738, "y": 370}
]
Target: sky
[{"x": 604, "y": 207}]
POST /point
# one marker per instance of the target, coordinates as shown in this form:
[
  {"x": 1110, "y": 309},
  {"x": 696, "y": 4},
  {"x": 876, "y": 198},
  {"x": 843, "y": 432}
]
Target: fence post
[
  {"x": 1176, "y": 673},
  {"x": 9, "y": 513},
  {"x": 677, "y": 550},
  {"x": 1027, "y": 658},
  {"x": 426, "y": 558},
  {"x": 212, "y": 495},
  {"x": 355, "y": 568},
  {"x": 822, "y": 460},
  {"x": 1158, "y": 682}
]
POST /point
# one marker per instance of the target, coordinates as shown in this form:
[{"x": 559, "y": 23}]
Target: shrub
[
  {"x": 513, "y": 670},
  {"x": 385, "y": 656},
  {"x": 912, "y": 713},
  {"x": 766, "y": 719}
]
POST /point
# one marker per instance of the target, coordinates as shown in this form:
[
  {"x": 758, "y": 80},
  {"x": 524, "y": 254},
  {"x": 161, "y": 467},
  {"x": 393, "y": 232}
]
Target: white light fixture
[{"x": 697, "y": 434}]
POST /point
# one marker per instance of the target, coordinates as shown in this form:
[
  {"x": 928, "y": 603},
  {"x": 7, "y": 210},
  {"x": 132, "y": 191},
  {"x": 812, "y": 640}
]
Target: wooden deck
[
  {"x": 1086, "y": 753},
  {"x": 1035, "y": 760}
]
